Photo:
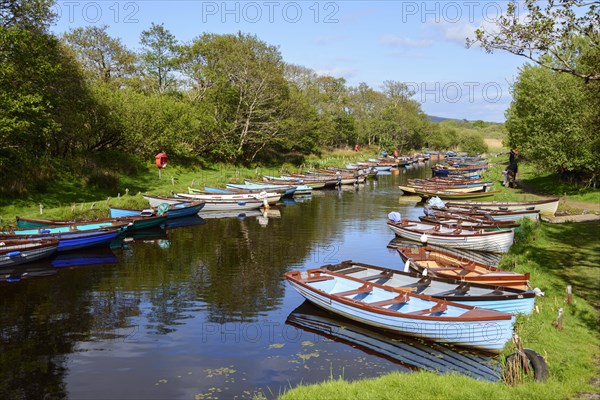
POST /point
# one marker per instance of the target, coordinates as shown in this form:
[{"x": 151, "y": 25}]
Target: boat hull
[
  {"x": 21, "y": 252},
  {"x": 488, "y": 336},
  {"x": 545, "y": 207},
  {"x": 495, "y": 242}
]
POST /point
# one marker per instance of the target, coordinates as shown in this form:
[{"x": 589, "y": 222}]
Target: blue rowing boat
[
  {"x": 68, "y": 228},
  {"x": 173, "y": 210},
  {"x": 73, "y": 240},
  {"x": 405, "y": 312}
]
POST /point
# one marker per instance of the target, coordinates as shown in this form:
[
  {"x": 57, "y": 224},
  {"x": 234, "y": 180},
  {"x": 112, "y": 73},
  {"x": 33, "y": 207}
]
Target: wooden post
[
  {"x": 41, "y": 209},
  {"x": 559, "y": 320},
  {"x": 569, "y": 294},
  {"x": 522, "y": 357}
]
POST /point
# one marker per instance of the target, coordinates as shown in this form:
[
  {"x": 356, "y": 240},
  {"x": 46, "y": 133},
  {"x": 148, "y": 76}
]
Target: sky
[{"x": 421, "y": 43}]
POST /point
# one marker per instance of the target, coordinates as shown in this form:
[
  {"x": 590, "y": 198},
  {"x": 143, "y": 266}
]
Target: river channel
[{"x": 204, "y": 311}]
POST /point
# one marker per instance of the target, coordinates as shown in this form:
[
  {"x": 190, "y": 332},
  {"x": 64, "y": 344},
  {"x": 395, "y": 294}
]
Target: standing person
[
  {"x": 384, "y": 154},
  {"x": 356, "y": 147},
  {"x": 513, "y": 166},
  {"x": 395, "y": 154},
  {"x": 512, "y": 158}
]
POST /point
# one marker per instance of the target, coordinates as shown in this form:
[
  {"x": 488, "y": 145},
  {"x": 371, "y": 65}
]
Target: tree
[
  {"x": 104, "y": 58},
  {"x": 26, "y": 14},
  {"x": 159, "y": 57},
  {"x": 558, "y": 37},
  {"x": 241, "y": 77},
  {"x": 552, "y": 120}
]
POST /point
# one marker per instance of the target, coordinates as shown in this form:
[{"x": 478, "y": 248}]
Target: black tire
[{"x": 536, "y": 364}]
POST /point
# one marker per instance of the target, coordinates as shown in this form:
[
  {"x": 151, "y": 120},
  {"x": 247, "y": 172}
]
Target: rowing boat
[
  {"x": 19, "y": 251},
  {"x": 491, "y": 241},
  {"x": 446, "y": 265},
  {"x": 404, "y": 312},
  {"x": 545, "y": 207},
  {"x": 495, "y": 297}
]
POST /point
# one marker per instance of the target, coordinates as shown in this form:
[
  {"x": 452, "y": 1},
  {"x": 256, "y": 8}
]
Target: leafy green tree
[
  {"x": 241, "y": 77},
  {"x": 103, "y": 57},
  {"x": 555, "y": 34},
  {"x": 472, "y": 142},
  {"x": 551, "y": 119},
  {"x": 26, "y": 14},
  {"x": 159, "y": 57}
]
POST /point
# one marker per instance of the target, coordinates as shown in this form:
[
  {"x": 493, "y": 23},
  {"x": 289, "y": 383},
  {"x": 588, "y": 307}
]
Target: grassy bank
[
  {"x": 71, "y": 197},
  {"x": 545, "y": 183},
  {"x": 555, "y": 255}
]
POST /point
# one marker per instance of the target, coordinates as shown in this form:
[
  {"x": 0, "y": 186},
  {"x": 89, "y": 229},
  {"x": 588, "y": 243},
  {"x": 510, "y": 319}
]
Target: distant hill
[{"x": 433, "y": 118}]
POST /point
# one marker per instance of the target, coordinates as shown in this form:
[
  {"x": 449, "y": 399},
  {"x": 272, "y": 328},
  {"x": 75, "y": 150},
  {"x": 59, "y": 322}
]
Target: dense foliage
[
  {"x": 553, "y": 119},
  {"x": 219, "y": 98}
]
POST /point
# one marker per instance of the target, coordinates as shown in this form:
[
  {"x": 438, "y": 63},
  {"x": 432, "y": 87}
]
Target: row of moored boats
[{"x": 450, "y": 289}]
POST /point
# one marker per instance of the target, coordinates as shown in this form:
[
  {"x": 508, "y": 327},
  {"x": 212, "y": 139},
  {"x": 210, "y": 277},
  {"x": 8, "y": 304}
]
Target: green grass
[
  {"x": 551, "y": 184},
  {"x": 71, "y": 198},
  {"x": 555, "y": 256}
]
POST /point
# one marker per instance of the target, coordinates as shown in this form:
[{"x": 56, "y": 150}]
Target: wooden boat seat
[
  {"x": 401, "y": 298},
  {"x": 417, "y": 286},
  {"x": 460, "y": 289},
  {"x": 375, "y": 277},
  {"x": 366, "y": 288},
  {"x": 350, "y": 270},
  {"x": 435, "y": 309},
  {"x": 316, "y": 279},
  {"x": 442, "y": 269}
]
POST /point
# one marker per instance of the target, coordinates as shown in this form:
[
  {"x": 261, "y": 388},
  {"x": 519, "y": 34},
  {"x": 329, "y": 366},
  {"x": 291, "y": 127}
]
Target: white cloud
[
  {"x": 337, "y": 72},
  {"x": 402, "y": 41},
  {"x": 455, "y": 32}
]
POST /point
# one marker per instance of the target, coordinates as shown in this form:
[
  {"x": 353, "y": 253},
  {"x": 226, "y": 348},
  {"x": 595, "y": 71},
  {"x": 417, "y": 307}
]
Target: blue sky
[{"x": 418, "y": 42}]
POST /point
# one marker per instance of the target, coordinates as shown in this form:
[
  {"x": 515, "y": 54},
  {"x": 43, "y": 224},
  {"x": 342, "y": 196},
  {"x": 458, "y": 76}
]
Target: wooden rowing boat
[
  {"x": 444, "y": 194},
  {"x": 497, "y": 298},
  {"x": 21, "y": 251},
  {"x": 443, "y": 264},
  {"x": 545, "y": 207},
  {"x": 424, "y": 232},
  {"x": 73, "y": 239},
  {"x": 496, "y": 215},
  {"x": 452, "y": 220},
  {"x": 135, "y": 222},
  {"x": 172, "y": 210},
  {"x": 404, "y": 312}
]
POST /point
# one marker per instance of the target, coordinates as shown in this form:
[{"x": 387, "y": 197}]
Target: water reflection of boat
[
  {"x": 480, "y": 257},
  {"x": 408, "y": 352},
  {"x": 296, "y": 199},
  {"x": 230, "y": 214},
  {"x": 186, "y": 221},
  {"x": 101, "y": 255},
  {"x": 34, "y": 270},
  {"x": 139, "y": 235}
]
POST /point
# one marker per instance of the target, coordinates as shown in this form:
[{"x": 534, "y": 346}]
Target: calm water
[{"x": 204, "y": 312}]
